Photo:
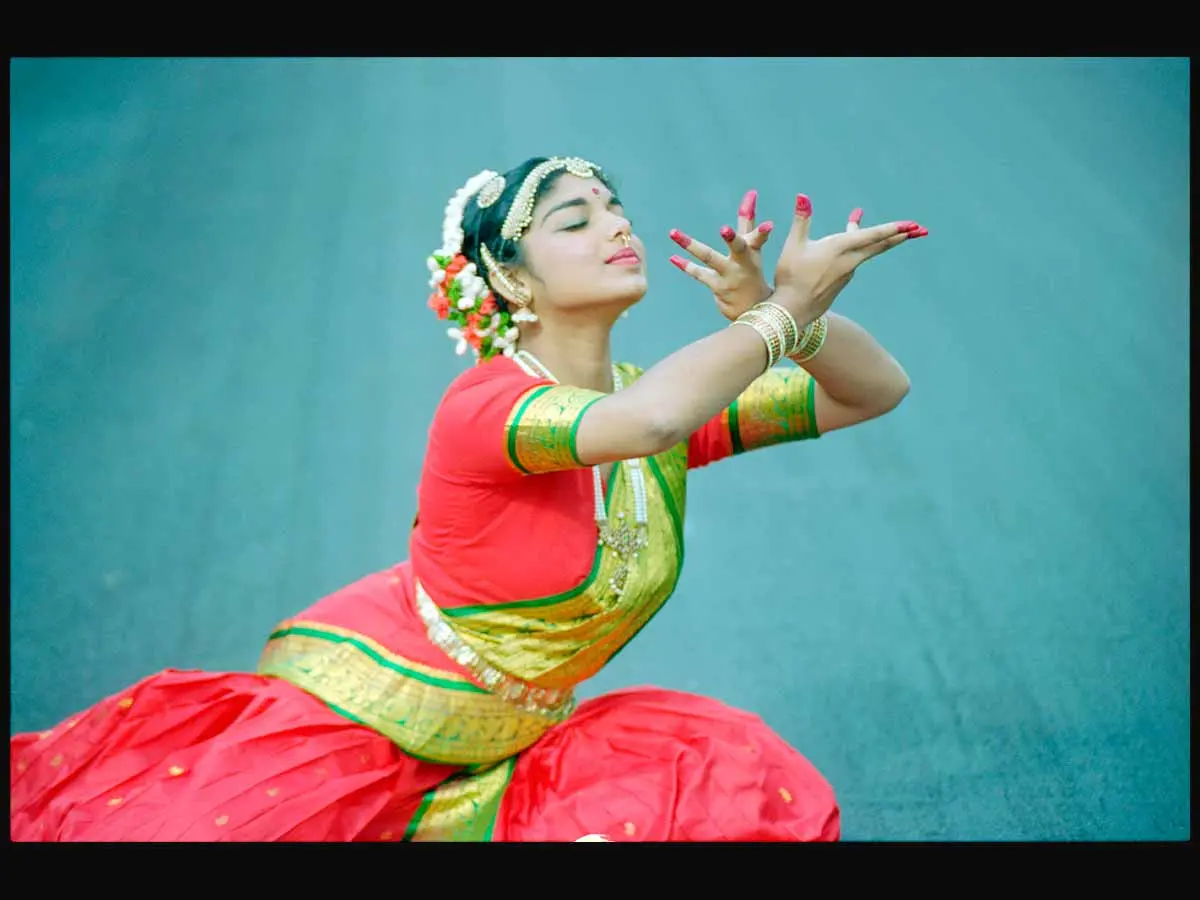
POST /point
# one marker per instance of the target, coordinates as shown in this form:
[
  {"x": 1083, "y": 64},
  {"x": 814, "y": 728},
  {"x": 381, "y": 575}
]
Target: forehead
[{"x": 569, "y": 187}]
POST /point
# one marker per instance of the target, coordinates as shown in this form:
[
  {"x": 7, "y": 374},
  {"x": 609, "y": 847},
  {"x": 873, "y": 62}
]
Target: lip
[{"x": 626, "y": 256}]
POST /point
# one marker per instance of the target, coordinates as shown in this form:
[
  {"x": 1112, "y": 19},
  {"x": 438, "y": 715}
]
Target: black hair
[{"x": 482, "y": 226}]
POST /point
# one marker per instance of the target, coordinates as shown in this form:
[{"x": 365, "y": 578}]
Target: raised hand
[
  {"x": 736, "y": 279},
  {"x": 810, "y": 274}
]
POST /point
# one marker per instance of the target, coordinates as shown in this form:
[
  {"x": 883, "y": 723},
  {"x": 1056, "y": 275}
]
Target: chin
[
  {"x": 635, "y": 292},
  {"x": 631, "y": 299}
]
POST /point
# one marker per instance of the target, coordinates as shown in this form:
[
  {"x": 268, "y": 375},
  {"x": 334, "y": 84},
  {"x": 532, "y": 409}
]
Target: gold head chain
[{"x": 520, "y": 214}]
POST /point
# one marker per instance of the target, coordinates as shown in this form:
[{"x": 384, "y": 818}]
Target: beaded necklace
[{"x": 623, "y": 539}]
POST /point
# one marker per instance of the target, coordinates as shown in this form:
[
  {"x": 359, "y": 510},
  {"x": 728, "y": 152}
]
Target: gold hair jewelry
[
  {"x": 490, "y": 192},
  {"x": 812, "y": 339},
  {"x": 513, "y": 292},
  {"x": 520, "y": 214}
]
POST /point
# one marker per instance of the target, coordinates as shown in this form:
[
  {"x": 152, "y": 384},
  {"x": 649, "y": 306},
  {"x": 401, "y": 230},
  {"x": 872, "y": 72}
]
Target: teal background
[{"x": 972, "y": 615}]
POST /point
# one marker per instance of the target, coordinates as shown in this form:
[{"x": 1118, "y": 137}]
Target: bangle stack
[
  {"x": 812, "y": 339},
  {"x": 778, "y": 329}
]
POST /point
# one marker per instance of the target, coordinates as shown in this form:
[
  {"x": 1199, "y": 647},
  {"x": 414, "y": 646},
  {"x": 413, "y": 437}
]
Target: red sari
[{"x": 434, "y": 700}]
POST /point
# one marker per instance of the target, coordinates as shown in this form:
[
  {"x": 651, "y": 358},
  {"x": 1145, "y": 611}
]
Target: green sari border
[
  {"x": 677, "y": 521},
  {"x": 571, "y": 440},
  {"x": 494, "y": 802},
  {"x": 735, "y": 434},
  {"x": 303, "y": 631},
  {"x": 570, "y": 594},
  {"x": 512, "y": 428}
]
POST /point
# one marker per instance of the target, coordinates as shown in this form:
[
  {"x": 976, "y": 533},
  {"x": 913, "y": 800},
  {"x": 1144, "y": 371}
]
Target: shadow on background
[{"x": 972, "y": 615}]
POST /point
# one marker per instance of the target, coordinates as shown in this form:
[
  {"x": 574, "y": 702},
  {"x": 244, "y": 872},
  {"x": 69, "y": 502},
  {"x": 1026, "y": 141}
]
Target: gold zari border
[
  {"x": 539, "y": 435},
  {"x": 555, "y": 642},
  {"x": 430, "y": 715},
  {"x": 775, "y": 409},
  {"x": 463, "y": 808}
]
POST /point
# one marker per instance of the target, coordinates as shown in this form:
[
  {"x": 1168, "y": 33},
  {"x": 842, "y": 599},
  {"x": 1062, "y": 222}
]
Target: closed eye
[{"x": 614, "y": 205}]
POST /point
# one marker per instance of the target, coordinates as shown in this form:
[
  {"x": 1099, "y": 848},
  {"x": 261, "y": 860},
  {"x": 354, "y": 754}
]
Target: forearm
[
  {"x": 855, "y": 370},
  {"x": 670, "y": 400},
  {"x": 695, "y": 383}
]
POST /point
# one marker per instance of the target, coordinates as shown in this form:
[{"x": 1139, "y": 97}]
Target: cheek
[{"x": 568, "y": 263}]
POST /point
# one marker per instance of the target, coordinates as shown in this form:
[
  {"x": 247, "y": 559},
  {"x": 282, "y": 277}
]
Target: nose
[{"x": 622, "y": 227}]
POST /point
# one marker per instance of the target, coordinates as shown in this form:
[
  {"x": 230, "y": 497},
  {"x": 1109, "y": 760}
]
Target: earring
[
  {"x": 523, "y": 314},
  {"x": 512, "y": 291}
]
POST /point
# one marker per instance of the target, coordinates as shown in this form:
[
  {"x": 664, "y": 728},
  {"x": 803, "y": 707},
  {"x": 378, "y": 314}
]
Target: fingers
[
  {"x": 742, "y": 244},
  {"x": 701, "y": 251},
  {"x": 758, "y": 237},
  {"x": 801, "y": 222},
  {"x": 855, "y": 220},
  {"x": 734, "y": 241},
  {"x": 705, "y": 276},
  {"x": 884, "y": 245},
  {"x": 909, "y": 231},
  {"x": 865, "y": 237},
  {"x": 746, "y": 211}
]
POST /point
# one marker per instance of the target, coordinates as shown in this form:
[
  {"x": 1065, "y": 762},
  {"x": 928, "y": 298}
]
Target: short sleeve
[
  {"x": 497, "y": 422},
  {"x": 777, "y": 408}
]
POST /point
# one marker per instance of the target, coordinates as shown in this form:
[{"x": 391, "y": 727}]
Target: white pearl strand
[{"x": 623, "y": 540}]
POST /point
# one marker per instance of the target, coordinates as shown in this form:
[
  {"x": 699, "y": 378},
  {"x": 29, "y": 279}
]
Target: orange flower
[
  {"x": 488, "y": 306},
  {"x": 440, "y": 304},
  {"x": 456, "y": 265}
]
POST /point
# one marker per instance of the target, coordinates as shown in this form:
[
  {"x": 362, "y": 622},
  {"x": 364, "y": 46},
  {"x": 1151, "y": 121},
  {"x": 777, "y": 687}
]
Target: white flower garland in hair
[{"x": 460, "y": 295}]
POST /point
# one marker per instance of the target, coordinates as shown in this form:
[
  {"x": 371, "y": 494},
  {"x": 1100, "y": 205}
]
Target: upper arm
[
  {"x": 830, "y": 414},
  {"x": 502, "y": 424},
  {"x": 780, "y": 406}
]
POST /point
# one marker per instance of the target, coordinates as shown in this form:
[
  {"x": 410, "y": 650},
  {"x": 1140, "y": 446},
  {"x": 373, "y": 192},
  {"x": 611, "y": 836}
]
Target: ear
[
  {"x": 510, "y": 286},
  {"x": 505, "y": 282}
]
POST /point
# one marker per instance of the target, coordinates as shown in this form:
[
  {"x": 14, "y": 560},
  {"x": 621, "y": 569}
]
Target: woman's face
[{"x": 575, "y": 253}]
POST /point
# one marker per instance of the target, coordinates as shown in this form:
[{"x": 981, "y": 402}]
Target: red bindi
[{"x": 596, "y": 191}]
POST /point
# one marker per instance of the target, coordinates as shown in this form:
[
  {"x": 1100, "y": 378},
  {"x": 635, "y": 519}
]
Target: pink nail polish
[
  {"x": 907, "y": 226},
  {"x": 746, "y": 210},
  {"x": 856, "y": 216},
  {"x": 680, "y": 238},
  {"x": 919, "y": 232},
  {"x": 727, "y": 232},
  {"x": 803, "y": 205},
  {"x": 765, "y": 227},
  {"x": 680, "y": 262}
]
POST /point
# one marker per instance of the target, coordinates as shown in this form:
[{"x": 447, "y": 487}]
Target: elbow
[
  {"x": 885, "y": 397},
  {"x": 660, "y": 433},
  {"x": 895, "y": 393}
]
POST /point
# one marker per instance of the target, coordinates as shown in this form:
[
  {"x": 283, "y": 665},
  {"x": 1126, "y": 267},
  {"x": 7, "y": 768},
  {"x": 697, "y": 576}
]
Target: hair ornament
[{"x": 460, "y": 295}]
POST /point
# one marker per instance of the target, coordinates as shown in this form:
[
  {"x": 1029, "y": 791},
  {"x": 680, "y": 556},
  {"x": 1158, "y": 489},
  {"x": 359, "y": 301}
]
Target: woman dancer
[{"x": 434, "y": 700}]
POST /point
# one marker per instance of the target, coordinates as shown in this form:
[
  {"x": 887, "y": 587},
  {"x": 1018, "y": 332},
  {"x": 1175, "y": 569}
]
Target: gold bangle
[
  {"x": 790, "y": 332},
  {"x": 811, "y": 341},
  {"x": 768, "y": 334},
  {"x": 771, "y": 324}
]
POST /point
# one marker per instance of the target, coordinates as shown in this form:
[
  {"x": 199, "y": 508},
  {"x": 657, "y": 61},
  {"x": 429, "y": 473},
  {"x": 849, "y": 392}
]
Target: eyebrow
[{"x": 614, "y": 200}]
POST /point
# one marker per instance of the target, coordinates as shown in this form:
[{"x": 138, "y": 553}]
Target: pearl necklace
[{"x": 625, "y": 541}]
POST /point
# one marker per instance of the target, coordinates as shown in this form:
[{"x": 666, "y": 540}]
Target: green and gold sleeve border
[
  {"x": 539, "y": 435},
  {"x": 432, "y": 715},
  {"x": 779, "y": 407}
]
